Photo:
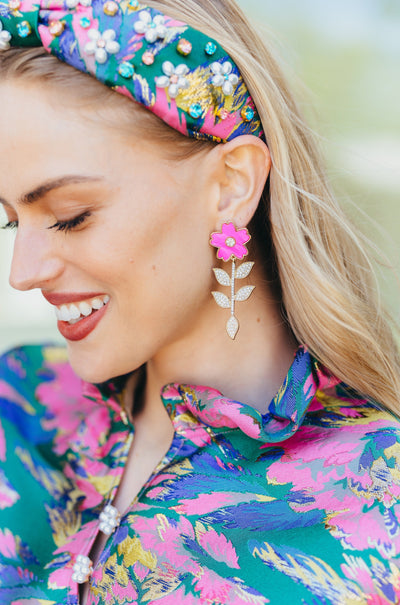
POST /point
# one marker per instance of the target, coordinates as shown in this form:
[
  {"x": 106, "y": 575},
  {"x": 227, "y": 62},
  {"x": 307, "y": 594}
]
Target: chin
[
  {"x": 99, "y": 366},
  {"x": 90, "y": 367}
]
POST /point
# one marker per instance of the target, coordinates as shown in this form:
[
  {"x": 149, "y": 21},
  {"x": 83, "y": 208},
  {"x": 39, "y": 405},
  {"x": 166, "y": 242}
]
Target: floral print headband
[{"x": 180, "y": 74}]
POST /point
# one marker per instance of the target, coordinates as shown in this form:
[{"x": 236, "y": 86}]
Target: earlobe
[{"x": 246, "y": 165}]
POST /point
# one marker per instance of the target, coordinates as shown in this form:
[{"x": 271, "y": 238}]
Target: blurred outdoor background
[{"x": 347, "y": 54}]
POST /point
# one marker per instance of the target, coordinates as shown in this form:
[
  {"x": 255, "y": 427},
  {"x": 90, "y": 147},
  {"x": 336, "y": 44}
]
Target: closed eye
[{"x": 71, "y": 224}]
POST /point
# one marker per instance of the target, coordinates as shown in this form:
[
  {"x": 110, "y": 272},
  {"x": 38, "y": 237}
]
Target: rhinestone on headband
[
  {"x": 126, "y": 70},
  {"x": 184, "y": 47}
]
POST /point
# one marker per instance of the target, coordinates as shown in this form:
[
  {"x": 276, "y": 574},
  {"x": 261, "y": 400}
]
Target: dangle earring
[{"x": 231, "y": 246}]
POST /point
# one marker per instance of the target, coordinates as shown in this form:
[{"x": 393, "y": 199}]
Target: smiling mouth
[{"x": 76, "y": 312}]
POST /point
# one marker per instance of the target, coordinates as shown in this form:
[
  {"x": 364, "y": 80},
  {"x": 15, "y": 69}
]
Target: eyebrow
[{"x": 52, "y": 185}]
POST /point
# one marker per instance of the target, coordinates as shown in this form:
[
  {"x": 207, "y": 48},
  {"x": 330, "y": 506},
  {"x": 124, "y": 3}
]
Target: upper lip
[{"x": 63, "y": 298}]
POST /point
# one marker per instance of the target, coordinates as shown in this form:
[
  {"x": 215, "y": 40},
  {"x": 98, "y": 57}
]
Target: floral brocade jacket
[{"x": 300, "y": 505}]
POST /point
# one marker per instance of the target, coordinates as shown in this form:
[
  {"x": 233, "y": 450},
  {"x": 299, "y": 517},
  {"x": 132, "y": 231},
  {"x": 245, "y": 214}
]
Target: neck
[{"x": 249, "y": 369}]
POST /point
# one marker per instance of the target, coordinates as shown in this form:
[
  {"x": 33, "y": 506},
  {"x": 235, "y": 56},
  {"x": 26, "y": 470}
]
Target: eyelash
[
  {"x": 60, "y": 225},
  {"x": 71, "y": 224},
  {"x": 10, "y": 225}
]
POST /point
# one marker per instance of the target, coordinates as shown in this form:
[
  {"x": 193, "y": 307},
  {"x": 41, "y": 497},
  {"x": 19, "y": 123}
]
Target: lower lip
[{"x": 82, "y": 328}]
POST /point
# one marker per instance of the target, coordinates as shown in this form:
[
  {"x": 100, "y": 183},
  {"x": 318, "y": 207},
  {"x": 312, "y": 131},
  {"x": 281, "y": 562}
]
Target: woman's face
[{"x": 108, "y": 227}]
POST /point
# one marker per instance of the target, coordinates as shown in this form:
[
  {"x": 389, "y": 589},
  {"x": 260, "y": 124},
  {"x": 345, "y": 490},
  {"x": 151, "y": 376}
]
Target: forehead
[{"x": 40, "y": 136}]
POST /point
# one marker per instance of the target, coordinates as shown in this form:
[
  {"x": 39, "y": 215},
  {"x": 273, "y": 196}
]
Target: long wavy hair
[{"x": 326, "y": 281}]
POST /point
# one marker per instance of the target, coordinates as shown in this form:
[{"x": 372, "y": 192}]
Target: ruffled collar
[
  {"x": 285, "y": 412},
  {"x": 189, "y": 405}
]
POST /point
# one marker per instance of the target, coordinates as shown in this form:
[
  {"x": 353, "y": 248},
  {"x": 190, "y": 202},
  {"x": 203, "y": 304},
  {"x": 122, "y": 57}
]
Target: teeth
[
  {"x": 64, "y": 313},
  {"x": 85, "y": 309},
  {"x": 97, "y": 303},
  {"x": 76, "y": 312}
]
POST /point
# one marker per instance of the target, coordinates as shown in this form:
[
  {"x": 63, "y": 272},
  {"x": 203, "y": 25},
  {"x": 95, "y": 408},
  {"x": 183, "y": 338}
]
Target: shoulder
[
  {"x": 27, "y": 371},
  {"x": 345, "y": 461},
  {"x": 39, "y": 394},
  {"x": 24, "y": 362}
]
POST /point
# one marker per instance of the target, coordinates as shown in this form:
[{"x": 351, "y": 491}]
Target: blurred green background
[
  {"x": 347, "y": 54},
  {"x": 343, "y": 59}
]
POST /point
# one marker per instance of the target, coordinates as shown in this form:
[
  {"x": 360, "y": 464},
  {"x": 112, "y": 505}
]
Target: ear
[{"x": 243, "y": 168}]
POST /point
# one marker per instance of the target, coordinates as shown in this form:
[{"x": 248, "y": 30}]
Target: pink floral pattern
[{"x": 230, "y": 242}]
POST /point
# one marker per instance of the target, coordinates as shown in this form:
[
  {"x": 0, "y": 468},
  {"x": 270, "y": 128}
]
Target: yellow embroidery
[
  {"x": 132, "y": 551},
  {"x": 63, "y": 524},
  {"x": 112, "y": 573}
]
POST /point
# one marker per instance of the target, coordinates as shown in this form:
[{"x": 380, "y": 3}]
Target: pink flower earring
[{"x": 231, "y": 246}]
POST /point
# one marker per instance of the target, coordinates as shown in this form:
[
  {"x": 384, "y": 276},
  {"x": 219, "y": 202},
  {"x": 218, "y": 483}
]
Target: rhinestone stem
[{"x": 233, "y": 288}]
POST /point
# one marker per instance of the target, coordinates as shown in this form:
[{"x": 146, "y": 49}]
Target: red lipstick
[
  {"x": 83, "y": 327},
  {"x": 64, "y": 298}
]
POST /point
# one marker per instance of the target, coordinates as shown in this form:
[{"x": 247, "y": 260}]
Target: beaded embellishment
[
  {"x": 153, "y": 29},
  {"x": 101, "y": 45},
  {"x": 109, "y": 519},
  {"x": 173, "y": 78},
  {"x": 224, "y": 78},
  {"x": 5, "y": 38},
  {"x": 82, "y": 569}
]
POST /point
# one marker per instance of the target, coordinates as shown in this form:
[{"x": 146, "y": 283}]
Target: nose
[{"x": 36, "y": 262}]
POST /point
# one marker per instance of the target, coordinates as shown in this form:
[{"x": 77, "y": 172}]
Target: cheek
[
  {"x": 161, "y": 231},
  {"x": 150, "y": 249}
]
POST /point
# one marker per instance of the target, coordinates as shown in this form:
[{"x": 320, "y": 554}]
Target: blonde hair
[{"x": 328, "y": 286}]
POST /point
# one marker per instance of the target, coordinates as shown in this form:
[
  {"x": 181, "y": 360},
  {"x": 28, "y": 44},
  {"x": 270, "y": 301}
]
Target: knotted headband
[{"x": 175, "y": 71}]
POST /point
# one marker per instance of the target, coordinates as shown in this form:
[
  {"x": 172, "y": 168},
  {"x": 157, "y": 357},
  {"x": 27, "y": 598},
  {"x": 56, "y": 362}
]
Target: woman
[{"x": 209, "y": 493}]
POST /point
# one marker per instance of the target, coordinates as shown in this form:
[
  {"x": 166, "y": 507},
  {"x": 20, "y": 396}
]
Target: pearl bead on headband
[{"x": 180, "y": 74}]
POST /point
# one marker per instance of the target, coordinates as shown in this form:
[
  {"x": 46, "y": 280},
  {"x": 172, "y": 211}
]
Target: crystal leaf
[
  {"x": 221, "y": 300},
  {"x": 232, "y": 326},
  {"x": 222, "y": 277},
  {"x": 244, "y": 293},
  {"x": 244, "y": 270}
]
